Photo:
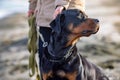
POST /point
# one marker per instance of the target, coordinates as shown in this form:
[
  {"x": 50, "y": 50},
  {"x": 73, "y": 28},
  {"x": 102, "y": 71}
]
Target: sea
[{"x": 8, "y": 7}]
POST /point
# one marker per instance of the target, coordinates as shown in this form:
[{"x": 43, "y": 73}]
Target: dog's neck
[
  {"x": 72, "y": 39},
  {"x": 59, "y": 45}
]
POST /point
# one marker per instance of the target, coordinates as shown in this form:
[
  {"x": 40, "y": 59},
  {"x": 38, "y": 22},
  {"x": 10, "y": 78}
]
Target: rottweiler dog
[{"x": 61, "y": 60}]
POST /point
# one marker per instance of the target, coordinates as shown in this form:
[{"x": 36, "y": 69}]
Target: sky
[{"x": 8, "y": 7}]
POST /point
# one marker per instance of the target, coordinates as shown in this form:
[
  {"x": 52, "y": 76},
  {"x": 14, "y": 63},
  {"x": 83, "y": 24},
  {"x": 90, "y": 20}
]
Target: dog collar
[{"x": 66, "y": 58}]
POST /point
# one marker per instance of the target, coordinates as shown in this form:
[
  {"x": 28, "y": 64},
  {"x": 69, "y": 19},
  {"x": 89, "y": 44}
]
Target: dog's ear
[{"x": 58, "y": 23}]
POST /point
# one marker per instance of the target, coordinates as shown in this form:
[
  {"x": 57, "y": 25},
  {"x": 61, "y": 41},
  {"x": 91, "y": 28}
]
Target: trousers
[{"x": 45, "y": 31}]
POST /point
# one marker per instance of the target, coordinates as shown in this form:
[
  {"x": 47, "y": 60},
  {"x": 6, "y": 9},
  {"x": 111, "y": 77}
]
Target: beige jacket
[{"x": 44, "y": 9}]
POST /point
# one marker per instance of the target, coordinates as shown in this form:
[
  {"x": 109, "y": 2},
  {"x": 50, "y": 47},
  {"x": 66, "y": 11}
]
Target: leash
[
  {"x": 45, "y": 44},
  {"x": 32, "y": 48},
  {"x": 62, "y": 59}
]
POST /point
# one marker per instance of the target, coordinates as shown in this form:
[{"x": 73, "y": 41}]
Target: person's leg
[{"x": 45, "y": 31}]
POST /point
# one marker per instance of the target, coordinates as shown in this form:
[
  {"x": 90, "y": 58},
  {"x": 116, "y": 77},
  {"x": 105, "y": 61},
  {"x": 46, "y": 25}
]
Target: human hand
[
  {"x": 30, "y": 13},
  {"x": 58, "y": 10}
]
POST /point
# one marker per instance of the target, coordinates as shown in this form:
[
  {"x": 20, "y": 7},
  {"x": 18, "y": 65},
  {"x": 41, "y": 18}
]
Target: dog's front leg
[{"x": 47, "y": 75}]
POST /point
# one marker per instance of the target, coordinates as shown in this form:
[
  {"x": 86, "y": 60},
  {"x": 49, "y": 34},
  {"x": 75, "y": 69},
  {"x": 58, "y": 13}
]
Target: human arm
[
  {"x": 69, "y": 4},
  {"x": 32, "y": 6},
  {"x": 60, "y": 6}
]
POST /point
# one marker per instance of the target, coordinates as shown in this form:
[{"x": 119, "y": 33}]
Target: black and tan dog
[{"x": 60, "y": 60}]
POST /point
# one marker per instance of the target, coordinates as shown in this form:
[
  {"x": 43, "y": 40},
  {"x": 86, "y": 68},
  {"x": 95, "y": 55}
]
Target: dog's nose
[{"x": 96, "y": 20}]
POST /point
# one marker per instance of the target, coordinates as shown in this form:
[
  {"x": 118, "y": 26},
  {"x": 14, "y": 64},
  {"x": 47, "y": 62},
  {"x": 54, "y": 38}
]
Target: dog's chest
[
  {"x": 58, "y": 71},
  {"x": 71, "y": 66}
]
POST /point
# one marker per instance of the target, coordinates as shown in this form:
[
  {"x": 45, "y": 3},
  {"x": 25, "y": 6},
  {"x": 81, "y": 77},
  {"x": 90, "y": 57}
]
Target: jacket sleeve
[
  {"x": 32, "y": 5},
  {"x": 64, "y": 3},
  {"x": 71, "y": 4}
]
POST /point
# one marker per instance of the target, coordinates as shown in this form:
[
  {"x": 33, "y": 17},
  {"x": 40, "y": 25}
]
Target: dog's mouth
[
  {"x": 89, "y": 32},
  {"x": 96, "y": 31}
]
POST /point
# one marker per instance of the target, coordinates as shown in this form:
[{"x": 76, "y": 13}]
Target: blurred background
[{"x": 102, "y": 48}]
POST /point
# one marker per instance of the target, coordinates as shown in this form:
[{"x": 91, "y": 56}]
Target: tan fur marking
[
  {"x": 46, "y": 75},
  {"x": 72, "y": 39},
  {"x": 71, "y": 76}
]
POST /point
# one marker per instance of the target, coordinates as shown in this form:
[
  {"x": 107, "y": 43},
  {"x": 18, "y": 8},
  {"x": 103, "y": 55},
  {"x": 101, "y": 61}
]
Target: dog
[{"x": 60, "y": 60}]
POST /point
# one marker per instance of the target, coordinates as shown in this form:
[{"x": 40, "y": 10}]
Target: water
[{"x": 8, "y": 7}]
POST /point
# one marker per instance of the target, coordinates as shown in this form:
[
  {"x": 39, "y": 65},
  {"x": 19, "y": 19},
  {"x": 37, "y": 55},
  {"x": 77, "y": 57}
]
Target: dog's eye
[{"x": 84, "y": 20}]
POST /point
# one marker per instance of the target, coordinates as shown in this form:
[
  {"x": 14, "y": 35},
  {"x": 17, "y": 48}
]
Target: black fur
[{"x": 75, "y": 65}]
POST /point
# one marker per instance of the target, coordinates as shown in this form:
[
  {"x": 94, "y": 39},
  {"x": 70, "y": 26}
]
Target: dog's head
[{"x": 74, "y": 24}]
